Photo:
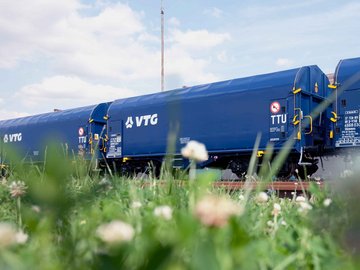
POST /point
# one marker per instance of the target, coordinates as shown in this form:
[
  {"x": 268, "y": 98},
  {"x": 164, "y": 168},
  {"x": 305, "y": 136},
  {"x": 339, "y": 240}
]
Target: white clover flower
[
  {"x": 241, "y": 197},
  {"x": 163, "y": 211},
  {"x": 327, "y": 202},
  {"x": 21, "y": 237},
  {"x": 36, "y": 208},
  {"x": 270, "y": 223},
  {"x": 276, "y": 209},
  {"x": 17, "y": 189},
  {"x": 262, "y": 197},
  {"x": 215, "y": 211},
  {"x": 304, "y": 207},
  {"x": 195, "y": 150},
  {"x": 115, "y": 232},
  {"x": 136, "y": 205},
  {"x": 7, "y": 235},
  {"x": 83, "y": 222},
  {"x": 300, "y": 199}
]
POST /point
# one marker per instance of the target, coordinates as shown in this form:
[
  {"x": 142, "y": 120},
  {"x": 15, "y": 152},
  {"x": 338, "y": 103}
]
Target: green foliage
[{"x": 64, "y": 207}]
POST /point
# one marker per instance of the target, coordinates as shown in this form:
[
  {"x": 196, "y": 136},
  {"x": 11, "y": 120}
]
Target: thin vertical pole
[{"x": 162, "y": 46}]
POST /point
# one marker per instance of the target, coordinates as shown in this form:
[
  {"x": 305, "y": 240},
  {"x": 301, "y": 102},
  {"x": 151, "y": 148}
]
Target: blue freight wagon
[
  {"x": 78, "y": 130},
  {"x": 346, "y": 110},
  {"x": 226, "y": 116}
]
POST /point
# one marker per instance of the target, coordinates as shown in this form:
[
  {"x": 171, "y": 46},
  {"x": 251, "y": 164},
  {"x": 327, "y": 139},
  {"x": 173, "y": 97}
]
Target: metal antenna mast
[{"x": 162, "y": 45}]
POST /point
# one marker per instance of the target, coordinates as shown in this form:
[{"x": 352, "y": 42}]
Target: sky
[{"x": 71, "y": 53}]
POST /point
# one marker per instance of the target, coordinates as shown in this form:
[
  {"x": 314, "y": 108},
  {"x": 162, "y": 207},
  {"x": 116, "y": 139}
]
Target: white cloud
[
  {"x": 6, "y": 114},
  {"x": 111, "y": 44},
  {"x": 222, "y": 57},
  {"x": 23, "y": 26},
  {"x": 214, "y": 12},
  {"x": 283, "y": 62},
  {"x": 60, "y": 92},
  {"x": 117, "y": 21},
  {"x": 180, "y": 67},
  {"x": 198, "y": 39},
  {"x": 65, "y": 92}
]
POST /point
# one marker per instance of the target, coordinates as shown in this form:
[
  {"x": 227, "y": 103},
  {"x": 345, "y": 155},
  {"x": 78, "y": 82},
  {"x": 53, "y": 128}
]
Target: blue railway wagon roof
[
  {"x": 99, "y": 112},
  {"x": 347, "y": 77},
  {"x": 66, "y": 115},
  {"x": 271, "y": 80},
  {"x": 226, "y": 115},
  {"x": 348, "y": 69},
  {"x": 63, "y": 127}
]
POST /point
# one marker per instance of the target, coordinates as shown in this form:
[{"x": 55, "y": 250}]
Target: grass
[{"x": 64, "y": 207}]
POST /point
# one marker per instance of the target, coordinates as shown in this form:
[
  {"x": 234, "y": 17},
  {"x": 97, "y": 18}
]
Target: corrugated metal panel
[
  {"x": 65, "y": 115},
  {"x": 226, "y": 116},
  {"x": 347, "y": 126},
  {"x": 242, "y": 84},
  {"x": 348, "y": 69},
  {"x": 30, "y": 135}
]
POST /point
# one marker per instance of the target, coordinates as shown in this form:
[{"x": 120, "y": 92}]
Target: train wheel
[
  {"x": 239, "y": 167},
  {"x": 307, "y": 170}
]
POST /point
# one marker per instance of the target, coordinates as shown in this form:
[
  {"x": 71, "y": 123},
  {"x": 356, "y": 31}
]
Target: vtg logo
[
  {"x": 143, "y": 120},
  {"x": 16, "y": 137},
  {"x": 129, "y": 122}
]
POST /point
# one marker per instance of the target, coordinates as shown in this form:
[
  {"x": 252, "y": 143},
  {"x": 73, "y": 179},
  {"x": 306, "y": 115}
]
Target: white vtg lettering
[
  {"x": 16, "y": 137},
  {"x": 278, "y": 119},
  {"x": 145, "y": 120}
]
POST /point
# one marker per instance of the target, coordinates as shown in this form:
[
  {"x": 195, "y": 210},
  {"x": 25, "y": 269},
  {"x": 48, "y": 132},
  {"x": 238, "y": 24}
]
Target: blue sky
[{"x": 70, "y": 53}]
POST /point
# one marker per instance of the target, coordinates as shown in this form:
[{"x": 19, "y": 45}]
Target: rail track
[{"x": 278, "y": 185}]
